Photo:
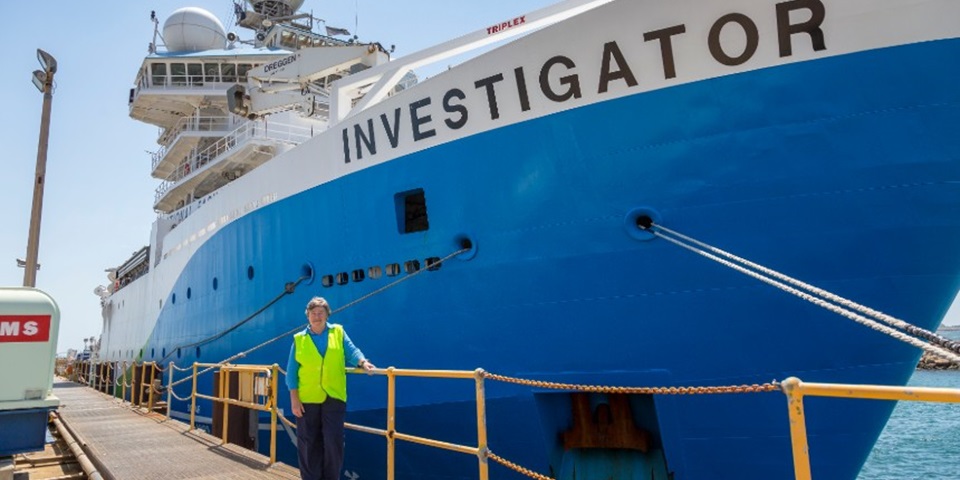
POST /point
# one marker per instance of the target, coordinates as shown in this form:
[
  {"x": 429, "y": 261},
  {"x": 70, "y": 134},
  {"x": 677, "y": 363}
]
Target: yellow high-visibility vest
[{"x": 321, "y": 376}]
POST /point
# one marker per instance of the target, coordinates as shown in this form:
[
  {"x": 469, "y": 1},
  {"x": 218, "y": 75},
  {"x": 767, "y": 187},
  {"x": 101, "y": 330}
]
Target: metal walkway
[{"x": 128, "y": 444}]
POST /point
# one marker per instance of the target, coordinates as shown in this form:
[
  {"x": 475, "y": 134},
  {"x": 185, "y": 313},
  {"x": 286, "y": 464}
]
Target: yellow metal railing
[
  {"x": 795, "y": 390},
  {"x": 258, "y": 390},
  {"x": 391, "y": 434}
]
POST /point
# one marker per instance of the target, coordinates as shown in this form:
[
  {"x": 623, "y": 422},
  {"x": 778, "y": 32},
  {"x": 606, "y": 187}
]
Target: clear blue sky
[{"x": 99, "y": 193}]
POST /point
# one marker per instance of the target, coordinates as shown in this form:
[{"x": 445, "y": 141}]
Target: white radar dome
[
  {"x": 193, "y": 29},
  {"x": 276, "y": 8}
]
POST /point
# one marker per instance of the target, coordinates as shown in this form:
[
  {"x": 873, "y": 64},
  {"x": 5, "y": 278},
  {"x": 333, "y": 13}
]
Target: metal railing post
[
  {"x": 123, "y": 390},
  {"x": 274, "y": 372},
  {"x": 170, "y": 389},
  {"x": 792, "y": 387},
  {"x": 224, "y": 390},
  {"x": 391, "y": 422},
  {"x": 482, "y": 425},
  {"x": 193, "y": 399},
  {"x": 143, "y": 374},
  {"x": 153, "y": 376}
]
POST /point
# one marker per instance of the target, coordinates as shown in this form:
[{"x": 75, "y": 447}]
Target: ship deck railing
[
  {"x": 203, "y": 160},
  {"x": 257, "y": 388},
  {"x": 192, "y": 124}
]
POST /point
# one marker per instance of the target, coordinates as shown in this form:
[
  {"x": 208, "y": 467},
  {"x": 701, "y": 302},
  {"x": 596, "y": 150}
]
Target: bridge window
[
  {"x": 229, "y": 72},
  {"x": 326, "y": 280},
  {"x": 374, "y": 272},
  {"x": 158, "y": 74},
  {"x": 195, "y": 70},
  {"x": 178, "y": 74},
  {"x": 211, "y": 72},
  {"x": 288, "y": 39},
  {"x": 358, "y": 275},
  {"x": 342, "y": 278},
  {"x": 242, "y": 70}
]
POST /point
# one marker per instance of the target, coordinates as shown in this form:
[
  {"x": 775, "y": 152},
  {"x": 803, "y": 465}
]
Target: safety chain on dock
[
  {"x": 939, "y": 346},
  {"x": 755, "y": 388},
  {"x": 515, "y": 467}
]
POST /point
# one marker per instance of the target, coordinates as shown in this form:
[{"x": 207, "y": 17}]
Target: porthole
[
  {"x": 326, "y": 280},
  {"x": 215, "y": 283},
  {"x": 250, "y": 272},
  {"x": 342, "y": 278},
  {"x": 411, "y": 266},
  {"x": 374, "y": 272},
  {"x": 433, "y": 263},
  {"x": 393, "y": 269},
  {"x": 358, "y": 275}
]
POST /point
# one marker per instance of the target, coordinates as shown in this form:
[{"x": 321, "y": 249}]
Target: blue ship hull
[{"x": 843, "y": 172}]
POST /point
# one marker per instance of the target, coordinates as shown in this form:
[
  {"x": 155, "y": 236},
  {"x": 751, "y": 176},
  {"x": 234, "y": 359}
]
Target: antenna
[
  {"x": 356, "y": 16},
  {"x": 156, "y": 31}
]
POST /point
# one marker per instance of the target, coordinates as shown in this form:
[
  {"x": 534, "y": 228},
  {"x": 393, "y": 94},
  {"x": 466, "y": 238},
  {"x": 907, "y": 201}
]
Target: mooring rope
[
  {"x": 287, "y": 334},
  {"x": 943, "y": 347},
  {"x": 288, "y": 288}
]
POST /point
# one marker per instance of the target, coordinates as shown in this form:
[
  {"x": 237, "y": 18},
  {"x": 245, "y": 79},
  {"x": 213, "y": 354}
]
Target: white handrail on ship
[
  {"x": 185, "y": 86},
  {"x": 202, "y": 160},
  {"x": 386, "y": 76},
  {"x": 189, "y": 124}
]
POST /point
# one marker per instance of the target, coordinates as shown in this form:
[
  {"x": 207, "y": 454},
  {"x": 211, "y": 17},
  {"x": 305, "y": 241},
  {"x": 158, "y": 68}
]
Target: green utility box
[{"x": 29, "y": 324}]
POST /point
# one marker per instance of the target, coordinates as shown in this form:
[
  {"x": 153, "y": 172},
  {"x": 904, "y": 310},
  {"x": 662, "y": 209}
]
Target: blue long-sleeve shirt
[{"x": 352, "y": 354}]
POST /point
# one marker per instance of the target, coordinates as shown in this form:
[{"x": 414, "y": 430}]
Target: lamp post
[{"x": 43, "y": 80}]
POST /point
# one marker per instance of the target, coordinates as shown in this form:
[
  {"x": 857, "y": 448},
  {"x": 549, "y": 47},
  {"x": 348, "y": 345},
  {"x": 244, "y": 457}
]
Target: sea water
[{"x": 922, "y": 439}]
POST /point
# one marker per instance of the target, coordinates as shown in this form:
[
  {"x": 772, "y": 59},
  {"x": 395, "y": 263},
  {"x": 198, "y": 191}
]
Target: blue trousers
[{"x": 320, "y": 439}]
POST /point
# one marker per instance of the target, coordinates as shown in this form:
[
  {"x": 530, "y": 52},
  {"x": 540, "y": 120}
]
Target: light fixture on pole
[
  {"x": 43, "y": 80},
  {"x": 21, "y": 263}
]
